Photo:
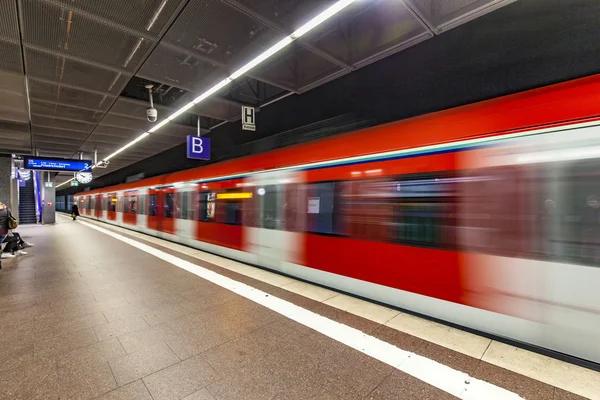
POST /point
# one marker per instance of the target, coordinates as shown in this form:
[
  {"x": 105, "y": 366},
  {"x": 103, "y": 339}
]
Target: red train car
[{"x": 474, "y": 215}]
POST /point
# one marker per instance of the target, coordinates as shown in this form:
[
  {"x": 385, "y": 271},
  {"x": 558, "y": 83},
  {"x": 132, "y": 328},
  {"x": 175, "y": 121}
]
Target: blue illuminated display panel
[{"x": 57, "y": 164}]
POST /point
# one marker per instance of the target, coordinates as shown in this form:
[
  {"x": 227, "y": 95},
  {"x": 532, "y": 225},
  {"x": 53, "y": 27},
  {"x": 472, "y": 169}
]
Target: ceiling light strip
[{"x": 310, "y": 25}]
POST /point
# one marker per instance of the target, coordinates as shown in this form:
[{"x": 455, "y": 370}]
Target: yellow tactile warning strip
[{"x": 521, "y": 371}]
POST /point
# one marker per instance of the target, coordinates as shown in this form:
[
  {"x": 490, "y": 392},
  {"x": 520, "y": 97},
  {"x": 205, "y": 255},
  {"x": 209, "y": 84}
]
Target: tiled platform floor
[{"x": 86, "y": 316}]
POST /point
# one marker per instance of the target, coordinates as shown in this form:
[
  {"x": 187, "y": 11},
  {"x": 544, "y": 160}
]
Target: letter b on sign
[{"x": 198, "y": 147}]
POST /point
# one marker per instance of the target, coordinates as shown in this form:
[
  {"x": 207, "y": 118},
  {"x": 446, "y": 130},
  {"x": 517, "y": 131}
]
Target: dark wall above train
[{"x": 524, "y": 45}]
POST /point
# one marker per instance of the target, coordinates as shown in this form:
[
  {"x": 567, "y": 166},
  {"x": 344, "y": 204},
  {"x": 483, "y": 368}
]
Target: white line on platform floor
[{"x": 454, "y": 382}]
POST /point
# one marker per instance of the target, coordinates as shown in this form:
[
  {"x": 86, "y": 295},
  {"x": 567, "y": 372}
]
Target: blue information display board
[
  {"x": 57, "y": 164},
  {"x": 198, "y": 147}
]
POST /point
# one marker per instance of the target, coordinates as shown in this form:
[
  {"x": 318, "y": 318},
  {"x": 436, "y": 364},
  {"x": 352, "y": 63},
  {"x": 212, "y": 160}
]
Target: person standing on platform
[{"x": 74, "y": 211}]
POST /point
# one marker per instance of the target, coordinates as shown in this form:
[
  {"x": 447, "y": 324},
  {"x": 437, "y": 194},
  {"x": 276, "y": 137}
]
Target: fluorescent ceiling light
[
  {"x": 286, "y": 41},
  {"x": 319, "y": 19},
  {"x": 128, "y": 145},
  {"x": 159, "y": 125},
  {"x": 212, "y": 90},
  {"x": 268, "y": 53},
  {"x": 181, "y": 111}
]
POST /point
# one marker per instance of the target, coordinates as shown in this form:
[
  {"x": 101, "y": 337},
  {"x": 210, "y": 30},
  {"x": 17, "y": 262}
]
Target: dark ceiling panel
[
  {"x": 9, "y": 25},
  {"x": 69, "y": 125},
  {"x": 51, "y": 92},
  {"x": 116, "y": 131},
  {"x": 14, "y": 83},
  {"x": 6, "y": 126},
  {"x": 13, "y": 107},
  {"x": 373, "y": 30},
  {"x": 441, "y": 15},
  {"x": 126, "y": 122},
  {"x": 10, "y": 57},
  {"x": 64, "y": 70},
  {"x": 58, "y": 29},
  {"x": 58, "y": 132},
  {"x": 218, "y": 109},
  {"x": 214, "y": 30},
  {"x": 65, "y": 112},
  {"x": 297, "y": 67},
  {"x": 13, "y": 101},
  {"x": 148, "y": 16},
  {"x": 290, "y": 13},
  {"x": 169, "y": 66}
]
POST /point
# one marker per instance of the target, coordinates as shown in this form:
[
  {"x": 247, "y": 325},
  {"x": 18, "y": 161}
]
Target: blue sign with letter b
[{"x": 198, "y": 147}]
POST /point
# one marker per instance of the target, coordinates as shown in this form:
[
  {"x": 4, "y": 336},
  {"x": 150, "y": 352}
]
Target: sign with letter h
[{"x": 198, "y": 147}]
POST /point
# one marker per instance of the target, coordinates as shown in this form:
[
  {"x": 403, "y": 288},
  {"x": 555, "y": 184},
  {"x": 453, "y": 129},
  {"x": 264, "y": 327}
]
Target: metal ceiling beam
[
  {"x": 78, "y": 59},
  {"x": 273, "y": 25},
  {"x": 62, "y": 119},
  {"x": 66, "y": 105},
  {"x": 51, "y": 82},
  {"x": 72, "y": 6},
  {"x": 220, "y": 64}
]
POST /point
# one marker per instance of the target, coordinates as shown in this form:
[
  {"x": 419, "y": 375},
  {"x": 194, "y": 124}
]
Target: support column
[
  {"x": 5, "y": 181},
  {"x": 48, "y": 196}
]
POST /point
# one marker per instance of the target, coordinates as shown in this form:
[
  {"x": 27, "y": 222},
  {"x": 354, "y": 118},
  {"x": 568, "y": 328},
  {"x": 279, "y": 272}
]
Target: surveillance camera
[{"x": 151, "y": 114}]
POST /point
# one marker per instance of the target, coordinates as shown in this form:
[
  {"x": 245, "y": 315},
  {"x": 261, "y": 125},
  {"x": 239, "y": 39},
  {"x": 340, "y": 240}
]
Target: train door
[
  {"x": 98, "y": 208},
  {"x": 269, "y": 238},
  {"x": 162, "y": 210},
  {"x": 111, "y": 210},
  {"x": 130, "y": 207}
]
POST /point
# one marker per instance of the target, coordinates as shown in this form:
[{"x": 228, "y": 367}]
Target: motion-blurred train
[{"x": 484, "y": 216}]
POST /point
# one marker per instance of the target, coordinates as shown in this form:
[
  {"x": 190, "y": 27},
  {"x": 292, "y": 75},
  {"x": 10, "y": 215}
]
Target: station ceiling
[{"x": 73, "y": 72}]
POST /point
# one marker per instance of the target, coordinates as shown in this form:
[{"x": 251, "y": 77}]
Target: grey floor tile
[
  {"x": 64, "y": 343},
  {"x": 84, "y": 380},
  {"x": 133, "y": 391},
  {"x": 100, "y": 352},
  {"x": 120, "y": 327},
  {"x": 180, "y": 380},
  {"x": 145, "y": 338},
  {"x": 142, "y": 363},
  {"x": 203, "y": 394}
]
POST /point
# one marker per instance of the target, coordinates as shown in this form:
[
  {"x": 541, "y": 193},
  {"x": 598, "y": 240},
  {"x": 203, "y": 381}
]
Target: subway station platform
[{"x": 98, "y": 312}]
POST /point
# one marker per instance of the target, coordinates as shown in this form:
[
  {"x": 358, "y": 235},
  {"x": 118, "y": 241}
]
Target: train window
[
  {"x": 576, "y": 238},
  {"x": 295, "y": 205},
  {"x": 230, "y": 210},
  {"x": 321, "y": 208},
  {"x": 185, "y": 206},
  {"x": 152, "y": 205},
  {"x": 423, "y": 210},
  {"x": 271, "y": 218},
  {"x": 142, "y": 204},
  {"x": 365, "y": 209},
  {"x": 169, "y": 205},
  {"x": 207, "y": 206},
  {"x": 131, "y": 205},
  {"x": 112, "y": 203}
]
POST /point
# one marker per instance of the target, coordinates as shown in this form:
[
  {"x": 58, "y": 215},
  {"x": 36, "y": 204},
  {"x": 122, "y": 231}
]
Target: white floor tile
[
  {"x": 569, "y": 377},
  {"x": 446, "y": 336},
  {"x": 311, "y": 291},
  {"x": 365, "y": 309}
]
